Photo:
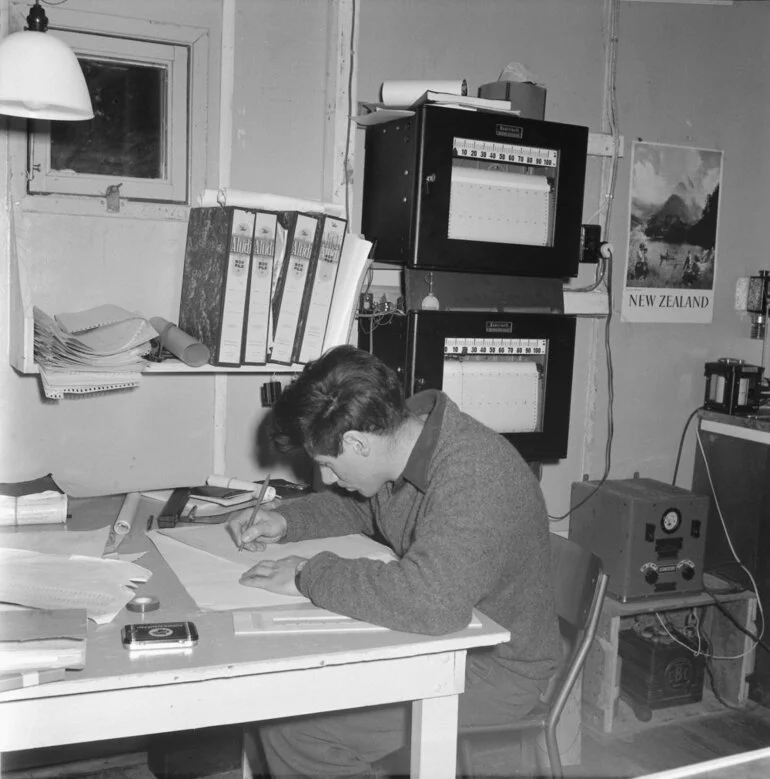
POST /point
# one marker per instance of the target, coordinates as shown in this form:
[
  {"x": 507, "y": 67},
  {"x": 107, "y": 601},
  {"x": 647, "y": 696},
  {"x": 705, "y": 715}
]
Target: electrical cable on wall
[
  {"x": 681, "y": 444},
  {"x": 607, "y": 248},
  {"x": 347, "y": 173},
  {"x": 604, "y": 270}
]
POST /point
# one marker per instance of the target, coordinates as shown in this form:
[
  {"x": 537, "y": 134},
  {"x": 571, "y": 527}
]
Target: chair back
[
  {"x": 575, "y": 572},
  {"x": 579, "y": 588}
]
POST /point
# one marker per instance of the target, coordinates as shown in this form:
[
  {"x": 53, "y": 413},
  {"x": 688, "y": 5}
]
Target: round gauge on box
[{"x": 670, "y": 521}]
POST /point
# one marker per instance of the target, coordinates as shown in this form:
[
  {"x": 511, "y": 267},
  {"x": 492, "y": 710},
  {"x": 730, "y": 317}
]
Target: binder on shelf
[
  {"x": 319, "y": 290},
  {"x": 215, "y": 279},
  {"x": 303, "y": 234},
  {"x": 282, "y": 234},
  {"x": 260, "y": 289}
]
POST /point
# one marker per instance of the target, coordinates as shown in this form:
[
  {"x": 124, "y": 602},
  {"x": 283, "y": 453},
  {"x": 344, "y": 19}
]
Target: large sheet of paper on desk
[{"x": 209, "y": 565}]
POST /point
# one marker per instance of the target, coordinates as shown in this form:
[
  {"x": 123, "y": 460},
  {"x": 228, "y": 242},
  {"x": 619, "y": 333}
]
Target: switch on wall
[{"x": 741, "y": 293}]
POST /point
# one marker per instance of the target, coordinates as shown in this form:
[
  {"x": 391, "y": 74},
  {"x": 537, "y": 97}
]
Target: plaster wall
[{"x": 688, "y": 74}]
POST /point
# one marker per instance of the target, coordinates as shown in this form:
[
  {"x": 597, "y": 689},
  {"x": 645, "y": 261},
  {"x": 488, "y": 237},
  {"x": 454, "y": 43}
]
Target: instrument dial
[{"x": 670, "y": 521}]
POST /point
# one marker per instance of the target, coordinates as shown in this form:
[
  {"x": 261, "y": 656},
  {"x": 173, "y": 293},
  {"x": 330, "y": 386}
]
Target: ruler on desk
[{"x": 303, "y": 619}]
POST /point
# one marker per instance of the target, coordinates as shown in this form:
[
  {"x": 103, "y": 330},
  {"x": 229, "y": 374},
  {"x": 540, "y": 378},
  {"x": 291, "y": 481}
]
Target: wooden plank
[
  {"x": 341, "y": 80},
  {"x": 81, "y": 768}
]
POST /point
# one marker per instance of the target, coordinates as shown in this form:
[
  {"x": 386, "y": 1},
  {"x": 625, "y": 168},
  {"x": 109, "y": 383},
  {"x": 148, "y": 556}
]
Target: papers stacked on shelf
[{"x": 95, "y": 350}]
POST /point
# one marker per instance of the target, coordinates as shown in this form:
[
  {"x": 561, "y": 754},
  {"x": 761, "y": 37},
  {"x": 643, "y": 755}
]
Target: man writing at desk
[{"x": 465, "y": 516}]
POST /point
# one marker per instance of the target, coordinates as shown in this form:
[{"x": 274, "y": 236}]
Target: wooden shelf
[
  {"x": 733, "y": 659},
  {"x": 22, "y": 334},
  {"x": 177, "y": 366}
]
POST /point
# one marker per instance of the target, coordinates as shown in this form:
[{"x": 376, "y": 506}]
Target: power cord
[
  {"x": 681, "y": 443},
  {"x": 607, "y": 251}
]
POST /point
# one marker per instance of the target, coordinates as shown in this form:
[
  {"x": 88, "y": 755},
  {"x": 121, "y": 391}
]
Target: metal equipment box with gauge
[{"x": 650, "y": 535}]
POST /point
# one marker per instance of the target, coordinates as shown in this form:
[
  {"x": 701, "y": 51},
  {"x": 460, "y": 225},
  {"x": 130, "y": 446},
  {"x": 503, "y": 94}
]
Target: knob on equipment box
[{"x": 650, "y": 535}]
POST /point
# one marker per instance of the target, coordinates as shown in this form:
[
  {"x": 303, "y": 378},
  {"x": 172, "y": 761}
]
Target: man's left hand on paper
[{"x": 275, "y": 575}]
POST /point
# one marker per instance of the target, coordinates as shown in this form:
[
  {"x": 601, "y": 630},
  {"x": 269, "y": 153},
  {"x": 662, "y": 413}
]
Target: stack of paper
[
  {"x": 34, "y": 502},
  {"x": 95, "y": 350},
  {"x": 39, "y": 508},
  {"x": 34, "y": 640},
  {"x": 51, "y": 581}
]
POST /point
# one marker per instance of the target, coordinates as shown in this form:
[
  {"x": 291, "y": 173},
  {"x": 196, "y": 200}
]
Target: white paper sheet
[
  {"x": 89, "y": 543},
  {"x": 502, "y": 395},
  {"x": 208, "y": 563},
  {"x": 354, "y": 263},
  {"x": 499, "y": 207}
]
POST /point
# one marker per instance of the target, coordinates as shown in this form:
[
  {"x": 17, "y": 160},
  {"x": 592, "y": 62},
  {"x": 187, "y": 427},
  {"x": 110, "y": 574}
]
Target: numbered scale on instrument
[
  {"x": 495, "y": 346},
  {"x": 517, "y": 154}
]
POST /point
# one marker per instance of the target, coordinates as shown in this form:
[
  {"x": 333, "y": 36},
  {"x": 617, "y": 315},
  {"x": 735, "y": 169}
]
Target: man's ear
[{"x": 357, "y": 441}]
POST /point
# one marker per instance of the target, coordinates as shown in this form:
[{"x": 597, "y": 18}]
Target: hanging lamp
[{"x": 40, "y": 76}]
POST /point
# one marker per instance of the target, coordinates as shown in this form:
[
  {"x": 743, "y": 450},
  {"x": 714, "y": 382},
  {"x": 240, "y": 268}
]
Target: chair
[{"x": 580, "y": 586}]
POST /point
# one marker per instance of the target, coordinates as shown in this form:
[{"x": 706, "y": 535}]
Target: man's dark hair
[{"x": 344, "y": 389}]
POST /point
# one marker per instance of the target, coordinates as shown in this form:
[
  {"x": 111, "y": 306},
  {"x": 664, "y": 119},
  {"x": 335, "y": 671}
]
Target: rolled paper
[
  {"x": 404, "y": 93},
  {"x": 230, "y": 482},
  {"x": 180, "y": 344}
]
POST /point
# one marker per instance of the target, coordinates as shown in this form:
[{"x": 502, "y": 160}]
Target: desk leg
[
  {"x": 249, "y": 752},
  {"x": 601, "y": 685},
  {"x": 434, "y": 738}
]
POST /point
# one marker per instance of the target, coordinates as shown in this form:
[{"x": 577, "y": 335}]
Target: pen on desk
[{"x": 255, "y": 511}]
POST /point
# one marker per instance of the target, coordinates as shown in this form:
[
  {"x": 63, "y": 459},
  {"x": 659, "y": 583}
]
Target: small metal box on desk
[{"x": 649, "y": 535}]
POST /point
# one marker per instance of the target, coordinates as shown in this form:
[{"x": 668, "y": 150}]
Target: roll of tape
[{"x": 143, "y": 603}]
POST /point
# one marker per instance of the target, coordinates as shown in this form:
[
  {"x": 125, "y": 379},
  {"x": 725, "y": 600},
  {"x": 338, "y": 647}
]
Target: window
[{"x": 141, "y": 144}]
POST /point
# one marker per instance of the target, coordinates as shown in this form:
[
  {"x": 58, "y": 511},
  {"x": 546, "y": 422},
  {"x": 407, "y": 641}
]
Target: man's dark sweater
[{"x": 468, "y": 523}]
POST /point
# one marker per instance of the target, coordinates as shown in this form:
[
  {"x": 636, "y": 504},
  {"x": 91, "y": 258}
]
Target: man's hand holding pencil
[{"x": 254, "y": 528}]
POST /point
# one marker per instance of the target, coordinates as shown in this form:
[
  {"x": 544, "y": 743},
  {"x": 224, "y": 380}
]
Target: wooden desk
[{"x": 229, "y": 680}]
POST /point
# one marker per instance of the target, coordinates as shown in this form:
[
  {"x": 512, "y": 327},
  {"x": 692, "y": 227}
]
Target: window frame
[
  {"x": 172, "y": 186},
  {"x": 196, "y": 40}
]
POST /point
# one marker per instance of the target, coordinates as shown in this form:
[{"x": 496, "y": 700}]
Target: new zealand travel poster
[{"x": 672, "y": 238}]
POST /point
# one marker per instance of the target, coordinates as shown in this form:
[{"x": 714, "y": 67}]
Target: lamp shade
[{"x": 41, "y": 78}]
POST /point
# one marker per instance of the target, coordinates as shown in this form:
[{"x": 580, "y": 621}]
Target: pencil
[{"x": 255, "y": 511}]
